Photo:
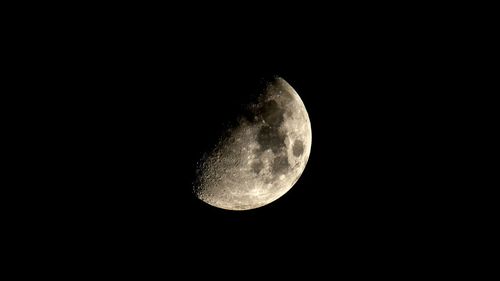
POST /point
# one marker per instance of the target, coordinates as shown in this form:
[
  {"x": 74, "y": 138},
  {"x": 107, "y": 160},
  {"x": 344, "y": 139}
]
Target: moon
[{"x": 260, "y": 158}]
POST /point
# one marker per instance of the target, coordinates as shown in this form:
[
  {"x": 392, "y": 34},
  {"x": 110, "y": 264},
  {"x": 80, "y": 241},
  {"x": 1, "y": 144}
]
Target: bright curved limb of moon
[{"x": 262, "y": 157}]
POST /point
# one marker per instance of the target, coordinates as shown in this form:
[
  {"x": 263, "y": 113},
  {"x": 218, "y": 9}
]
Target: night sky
[
  {"x": 148, "y": 102},
  {"x": 364, "y": 172}
]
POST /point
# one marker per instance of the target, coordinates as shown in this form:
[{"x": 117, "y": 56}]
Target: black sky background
[
  {"x": 364, "y": 180},
  {"x": 145, "y": 99}
]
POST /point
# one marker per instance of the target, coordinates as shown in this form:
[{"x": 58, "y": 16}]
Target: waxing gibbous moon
[{"x": 260, "y": 158}]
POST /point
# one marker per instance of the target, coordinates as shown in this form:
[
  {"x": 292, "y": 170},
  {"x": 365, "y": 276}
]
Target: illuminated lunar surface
[{"x": 260, "y": 158}]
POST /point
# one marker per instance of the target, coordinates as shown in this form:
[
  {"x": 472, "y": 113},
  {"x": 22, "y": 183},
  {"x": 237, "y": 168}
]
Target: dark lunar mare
[
  {"x": 270, "y": 137},
  {"x": 298, "y": 148}
]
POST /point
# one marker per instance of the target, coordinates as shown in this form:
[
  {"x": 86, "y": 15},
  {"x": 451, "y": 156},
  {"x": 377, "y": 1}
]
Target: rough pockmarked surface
[{"x": 262, "y": 157}]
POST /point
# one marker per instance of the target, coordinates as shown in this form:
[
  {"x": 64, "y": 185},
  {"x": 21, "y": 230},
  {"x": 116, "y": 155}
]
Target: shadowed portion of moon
[{"x": 260, "y": 158}]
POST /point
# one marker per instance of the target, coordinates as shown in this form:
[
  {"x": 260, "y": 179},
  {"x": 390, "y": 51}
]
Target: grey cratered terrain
[{"x": 262, "y": 157}]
